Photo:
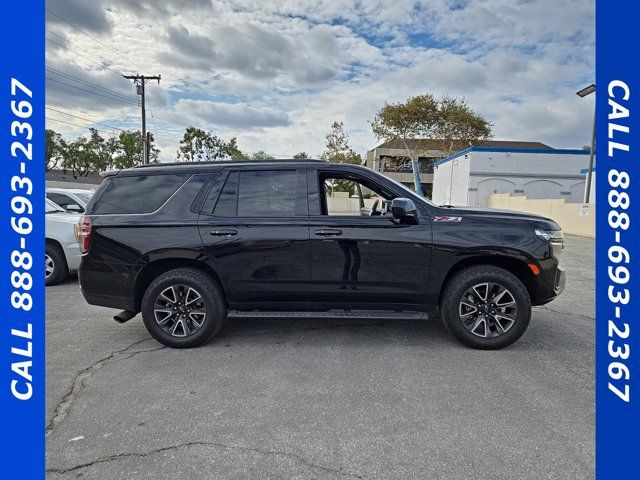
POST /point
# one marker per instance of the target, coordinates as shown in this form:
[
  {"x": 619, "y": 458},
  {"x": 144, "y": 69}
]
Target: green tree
[
  {"x": 261, "y": 155},
  {"x": 337, "y": 147},
  {"x": 128, "y": 149},
  {"x": 301, "y": 156},
  {"x": 448, "y": 119},
  {"x": 198, "y": 145},
  {"x": 52, "y": 149}
]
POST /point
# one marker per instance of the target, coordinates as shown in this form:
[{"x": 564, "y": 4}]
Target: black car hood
[{"x": 495, "y": 213}]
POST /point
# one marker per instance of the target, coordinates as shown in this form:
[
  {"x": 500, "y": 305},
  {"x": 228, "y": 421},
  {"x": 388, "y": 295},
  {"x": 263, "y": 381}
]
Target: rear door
[
  {"x": 361, "y": 257},
  {"x": 254, "y": 227}
]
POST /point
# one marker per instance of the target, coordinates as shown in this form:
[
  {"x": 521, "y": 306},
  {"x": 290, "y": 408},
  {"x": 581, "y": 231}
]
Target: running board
[{"x": 350, "y": 314}]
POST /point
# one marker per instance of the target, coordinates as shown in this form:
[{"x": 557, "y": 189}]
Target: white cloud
[{"x": 277, "y": 73}]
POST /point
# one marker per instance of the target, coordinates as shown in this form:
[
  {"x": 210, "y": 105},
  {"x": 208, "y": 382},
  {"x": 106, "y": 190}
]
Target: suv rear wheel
[
  {"x": 183, "y": 308},
  {"x": 486, "y": 307}
]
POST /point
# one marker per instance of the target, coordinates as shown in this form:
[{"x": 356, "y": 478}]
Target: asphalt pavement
[{"x": 317, "y": 399}]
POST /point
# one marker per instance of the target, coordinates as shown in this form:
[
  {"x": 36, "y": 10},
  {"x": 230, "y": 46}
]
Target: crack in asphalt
[
  {"x": 567, "y": 313},
  {"x": 118, "y": 456},
  {"x": 60, "y": 412}
]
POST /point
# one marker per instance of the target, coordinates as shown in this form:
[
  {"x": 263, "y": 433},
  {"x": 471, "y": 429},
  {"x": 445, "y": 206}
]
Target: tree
[
  {"x": 261, "y": 155},
  {"x": 128, "y": 151},
  {"x": 52, "y": 149},
  {"x": 448, "y": 119},
  {"x": 301, "y": 156},
  {"x": 197, "y": 146},
  {"x": 94, "y": 154},
  {"x": 337, "y": 148}
]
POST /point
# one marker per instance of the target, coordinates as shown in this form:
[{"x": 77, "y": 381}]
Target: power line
[
  {"x": 92, "y": 37},
  {"x": 82, "y": 118},
  {"x": 94, "y": 85},
  {"x": 130, "y": 102},
  {"x": 153, "y": 120},
  {"x": 78, "y": 125},
  {"x": 66, "y": 40},
  {"x": 121, "y": 121},
  {"x": 69, "y": 50}
]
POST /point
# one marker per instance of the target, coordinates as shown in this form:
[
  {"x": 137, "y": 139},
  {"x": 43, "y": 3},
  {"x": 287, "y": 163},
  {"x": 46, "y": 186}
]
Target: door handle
[
  {"x": 223, "y": 233},
  {"x": 328, "y": 233}
]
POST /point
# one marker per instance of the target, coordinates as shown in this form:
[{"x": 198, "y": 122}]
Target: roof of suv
[{"x": 176, "y": 167}]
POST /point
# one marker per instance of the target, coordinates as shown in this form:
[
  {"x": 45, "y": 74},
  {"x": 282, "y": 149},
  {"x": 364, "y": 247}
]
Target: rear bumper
[
  {"x": 119, "y": 303},
  {"x": 107, "y": 284}
]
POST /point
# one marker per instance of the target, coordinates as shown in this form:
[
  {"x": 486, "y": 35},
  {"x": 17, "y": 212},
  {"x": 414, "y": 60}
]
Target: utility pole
[{"x": 140, "y": 81}]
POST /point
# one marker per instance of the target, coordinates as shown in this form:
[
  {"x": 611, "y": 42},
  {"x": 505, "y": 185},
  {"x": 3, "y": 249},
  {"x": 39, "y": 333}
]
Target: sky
[{"x": 276, "y": 74}]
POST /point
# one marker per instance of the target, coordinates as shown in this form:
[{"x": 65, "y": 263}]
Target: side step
[{"x": 350, "y": 314}]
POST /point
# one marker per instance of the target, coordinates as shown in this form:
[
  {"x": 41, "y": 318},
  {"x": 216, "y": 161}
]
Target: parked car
[
  {"x": 73, "y": 200},
  {"x": 191, "y": 245},
  {"x": 62, "y": 252}
]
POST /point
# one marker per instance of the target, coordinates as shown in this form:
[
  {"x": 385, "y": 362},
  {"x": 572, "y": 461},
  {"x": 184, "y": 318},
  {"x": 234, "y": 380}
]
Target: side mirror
[
  {"x": 75, "y": 208},
  {"x": 404, "y": 209}
]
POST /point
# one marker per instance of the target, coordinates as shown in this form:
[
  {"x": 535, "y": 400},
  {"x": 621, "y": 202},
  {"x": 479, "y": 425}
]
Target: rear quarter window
[{"x": 135, "y": 194}]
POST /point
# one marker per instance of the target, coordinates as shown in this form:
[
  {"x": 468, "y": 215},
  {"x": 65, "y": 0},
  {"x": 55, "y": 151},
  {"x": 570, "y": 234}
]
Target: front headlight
[{"x": 554, "y": 238}]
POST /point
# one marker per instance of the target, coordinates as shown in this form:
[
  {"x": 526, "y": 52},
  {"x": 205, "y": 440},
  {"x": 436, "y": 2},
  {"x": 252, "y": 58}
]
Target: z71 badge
[{"x": 446, "y": 218}]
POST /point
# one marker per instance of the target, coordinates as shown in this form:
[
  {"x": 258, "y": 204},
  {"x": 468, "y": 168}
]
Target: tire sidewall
[
  {"x": 59, "y": 265},
  {"x": 205, "y": 286},
  {"x": 468, "y": 278}
]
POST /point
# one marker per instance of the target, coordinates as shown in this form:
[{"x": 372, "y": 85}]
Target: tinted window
[
  {"x": 137, "y": 194},
  {"x": 226, "y": 205},
  {"x": 267, "y": 193},
  {"x": 60, "y": 199}
]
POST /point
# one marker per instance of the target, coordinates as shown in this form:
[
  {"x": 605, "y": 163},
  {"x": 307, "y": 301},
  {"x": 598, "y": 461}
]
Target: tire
[
  {"x": 193, "y": 321},
  {"x": 487, "y": 327},
  {"x": 56, "y": 270}
]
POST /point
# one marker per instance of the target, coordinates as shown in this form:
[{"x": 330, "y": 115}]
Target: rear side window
[
  {"x": 258, "y": 193},
  {"x": 60, "y": 199},
  {"x": 136, "y": 194}
]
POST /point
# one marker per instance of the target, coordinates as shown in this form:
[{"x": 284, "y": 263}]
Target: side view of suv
[{"x": 191, "y": 245}]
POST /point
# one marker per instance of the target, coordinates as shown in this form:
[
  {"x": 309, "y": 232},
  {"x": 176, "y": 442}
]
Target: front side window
[
  {"x": 351, "y": 196},
  {"x": 259, "y": 193}
]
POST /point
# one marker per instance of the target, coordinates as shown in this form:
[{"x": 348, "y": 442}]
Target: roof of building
[
  {"x": 554, "y": 151},
  {"x": 437, "y": 144}
]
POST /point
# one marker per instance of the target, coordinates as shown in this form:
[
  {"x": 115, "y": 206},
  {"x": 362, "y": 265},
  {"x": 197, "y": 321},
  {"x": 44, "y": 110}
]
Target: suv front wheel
[
  {"x": 183, "y": 308},
  {"x": 486, "y": 307}
]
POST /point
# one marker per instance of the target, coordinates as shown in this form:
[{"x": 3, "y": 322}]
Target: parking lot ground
[{"x": 323, "y": 399}]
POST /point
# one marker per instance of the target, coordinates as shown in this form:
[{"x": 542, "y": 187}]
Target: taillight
[{"x": 82, "y": 231}]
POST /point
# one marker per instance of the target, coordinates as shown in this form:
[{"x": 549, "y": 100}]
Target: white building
[{"x": 470, "y": 176}]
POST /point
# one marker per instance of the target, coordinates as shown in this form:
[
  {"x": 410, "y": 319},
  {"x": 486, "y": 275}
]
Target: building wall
[
  {"x": 451, "y": 183},
  {"x": 567, "y": 215},
  {"x": 535, "y": 174}
]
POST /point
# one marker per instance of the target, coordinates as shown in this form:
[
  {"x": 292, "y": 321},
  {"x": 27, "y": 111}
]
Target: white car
[
  {"x": 73, "y": 200},
  {"x": 62, "y": 252}
]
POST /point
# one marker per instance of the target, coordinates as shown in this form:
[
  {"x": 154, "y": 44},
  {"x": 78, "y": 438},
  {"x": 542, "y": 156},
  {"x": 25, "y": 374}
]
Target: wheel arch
[
  {"x": 157, "y": 267},
  {"x": 516, "y": 266}
]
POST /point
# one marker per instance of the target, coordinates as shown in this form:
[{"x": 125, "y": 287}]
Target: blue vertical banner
[
  {"x": 22, "y": 231},
  {"x": 617, "y": 246}
]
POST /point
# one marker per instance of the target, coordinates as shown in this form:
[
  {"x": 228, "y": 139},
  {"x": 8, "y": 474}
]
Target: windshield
[
  {"x": 50, "y": 207},
  {"x": 412, "y": 193}
]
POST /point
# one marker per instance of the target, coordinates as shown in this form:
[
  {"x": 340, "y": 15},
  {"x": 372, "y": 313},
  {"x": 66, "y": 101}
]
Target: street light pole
[{"x": 587, "y": 191}]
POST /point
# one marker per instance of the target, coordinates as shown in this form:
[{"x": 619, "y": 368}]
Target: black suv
[{"x": 193, "y": 244}]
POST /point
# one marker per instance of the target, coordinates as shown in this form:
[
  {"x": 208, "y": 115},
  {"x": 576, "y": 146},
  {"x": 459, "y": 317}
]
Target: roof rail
[{"x": 225, "y": 162}]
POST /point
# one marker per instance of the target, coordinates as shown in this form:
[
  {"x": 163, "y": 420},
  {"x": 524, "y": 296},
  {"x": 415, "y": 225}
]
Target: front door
[
  {"x": 256, "y": 233},
  {"x": 360, "y": 256}
]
